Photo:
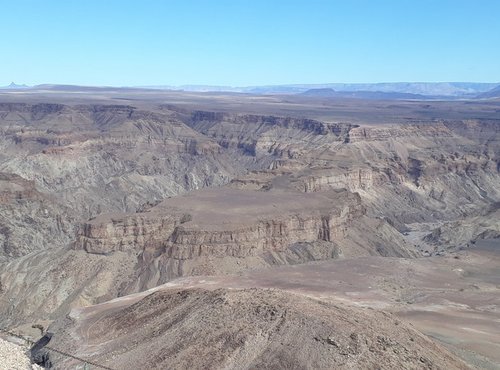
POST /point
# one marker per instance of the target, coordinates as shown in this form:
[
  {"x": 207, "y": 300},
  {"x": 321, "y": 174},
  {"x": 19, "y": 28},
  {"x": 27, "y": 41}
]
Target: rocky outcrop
[
  {"x": 14, "y": 187},
  {"x": 125, "y": 233},
  {"x": 361, "y": 179},
  {"x": 36, "y": 111},
  {"x": 207, "y": 120},
  {"x": 413, "y": 131},
  {"x": 176, "y": 231},
  {"x": 261, "y": 135},
  {"x": 264, "y": 236}
]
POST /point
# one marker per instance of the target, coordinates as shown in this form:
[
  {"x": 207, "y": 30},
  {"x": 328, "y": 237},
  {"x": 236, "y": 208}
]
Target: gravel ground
[{"x": 13, "y": 357}]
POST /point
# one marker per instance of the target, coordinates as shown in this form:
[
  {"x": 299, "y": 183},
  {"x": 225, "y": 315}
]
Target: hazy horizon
[{"x": 250, "y": 86}]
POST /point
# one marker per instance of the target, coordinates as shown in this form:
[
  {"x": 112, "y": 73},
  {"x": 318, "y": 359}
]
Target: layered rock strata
[{"x": 247, "y": 223}]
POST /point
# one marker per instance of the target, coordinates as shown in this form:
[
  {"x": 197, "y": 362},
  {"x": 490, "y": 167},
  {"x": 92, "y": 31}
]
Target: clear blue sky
[{"x": 253, "y": 42}]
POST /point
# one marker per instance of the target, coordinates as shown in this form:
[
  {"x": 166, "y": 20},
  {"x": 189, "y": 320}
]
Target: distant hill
[
  {"x": 330, "y": 93},
  {"x": 326, "y": 92},
  {"x": 14, "y": 86},
  {"x": 493, "y": 93}
]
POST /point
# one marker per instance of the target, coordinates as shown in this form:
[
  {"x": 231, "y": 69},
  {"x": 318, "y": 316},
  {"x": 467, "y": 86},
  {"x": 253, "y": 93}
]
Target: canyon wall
[{"x": 99, "y": 201}]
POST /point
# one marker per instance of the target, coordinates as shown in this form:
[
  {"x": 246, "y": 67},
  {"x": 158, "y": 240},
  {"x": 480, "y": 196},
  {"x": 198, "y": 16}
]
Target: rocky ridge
[{"x": 253, "y": 328}]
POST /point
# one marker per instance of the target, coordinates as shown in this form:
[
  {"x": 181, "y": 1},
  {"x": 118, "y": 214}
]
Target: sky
[{"x": 247, "y": 42}]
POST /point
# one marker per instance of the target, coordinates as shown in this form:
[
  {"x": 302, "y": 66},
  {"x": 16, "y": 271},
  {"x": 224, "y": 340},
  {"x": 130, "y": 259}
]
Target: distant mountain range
[
  {"x": 386, "y": 90},
  {"x": 330, "y": 93},
  {"x": 493, "y": 93},
  {"x": 417, "y": 90}
]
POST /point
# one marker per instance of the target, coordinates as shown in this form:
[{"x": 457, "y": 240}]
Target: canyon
[{"x": 143, "y": 206}]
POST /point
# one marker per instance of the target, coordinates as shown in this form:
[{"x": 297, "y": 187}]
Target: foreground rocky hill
[{"x": 243, "y": 329}]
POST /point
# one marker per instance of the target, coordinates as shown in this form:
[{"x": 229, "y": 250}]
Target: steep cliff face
[
  {"x": 262, "y": 136},
  {"x": 354, "y": 180},
  {"x": 415, "y": 131},
  {"x": 481, "y": 130},
  {"x": 210, "y": 121},
  {"x": 125, "y": 233},
  {"x": 198, "y": 226}
]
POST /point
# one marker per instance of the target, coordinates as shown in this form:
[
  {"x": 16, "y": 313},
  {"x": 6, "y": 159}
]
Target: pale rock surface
[{"x": 15, "y": 357}]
